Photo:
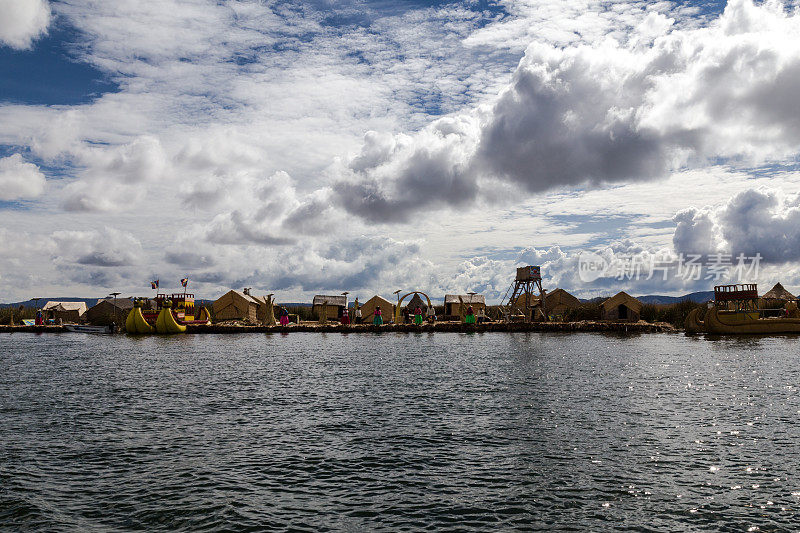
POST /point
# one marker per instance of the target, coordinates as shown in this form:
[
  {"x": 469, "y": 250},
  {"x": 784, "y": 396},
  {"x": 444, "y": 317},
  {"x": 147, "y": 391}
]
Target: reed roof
[
  {"x": 80, "y": 307},
  {"x": 468, "y": 298},
  {"x": 778, "y": 292},
  {"x": 416, "y": 301},
  {"x": 339, "y": 301},
  {"x": 377, "y": 301},
  {"x": 241, "y": 296},
  {"x": 622, "y": 298},
  {"x": 561, "y": 297},
  {"x": 121, "y": 303}
]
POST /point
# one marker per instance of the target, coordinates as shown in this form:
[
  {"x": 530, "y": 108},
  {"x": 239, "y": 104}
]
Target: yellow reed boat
[
  {"x": 735, "y": 311},
  {"x": 172, "y": 314}
]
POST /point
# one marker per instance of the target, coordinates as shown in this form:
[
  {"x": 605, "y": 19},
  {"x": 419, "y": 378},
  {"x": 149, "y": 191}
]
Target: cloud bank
[
  {"x": 19, "y": 180},
  {"x": 763, "y": 221},
  {"x": 236, "y": 142},
  {"x": 580, "y": 116},
  {"x": 23, "y": 21}
]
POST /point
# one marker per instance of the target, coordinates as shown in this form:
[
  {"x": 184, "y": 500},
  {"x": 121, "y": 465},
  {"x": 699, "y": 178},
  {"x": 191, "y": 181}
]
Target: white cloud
[
  {"x": 19, "y": 180},
  {"x": 116, "y": 176},
  {"x": 108, "y": 247},
  {"x": 354, "y": 263},
  {"x": 756, "y": 221},
  {"x": 255, "y": 208},
  {"x": 23, "y": 21},
  {"x": 630, "y": 266},
  {"x": 391, "y": 178},
  {"x": 590, "y": 22},
  {"x": 221, "y": 102},
  {"x": 139, "y": 161},
  {"x": 581, "y": 115},
  {"x": 85, "y": 261},
  {"x": 242, "y": 85}
]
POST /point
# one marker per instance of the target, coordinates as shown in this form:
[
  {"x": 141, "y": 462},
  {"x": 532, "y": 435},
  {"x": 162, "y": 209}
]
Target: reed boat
[
  {"x": 80, "y": 328},
  {"x": 736, "y": 311},
  {"x": 172, "y": 314},
  {"x": 693, "y": 325},
  {"x": 136, "y": 323},
  {"x": 722, "y": 322}
]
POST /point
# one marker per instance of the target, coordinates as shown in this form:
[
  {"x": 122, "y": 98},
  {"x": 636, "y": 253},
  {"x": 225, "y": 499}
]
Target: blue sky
[
  {"x": 48, "y": 74},
  {"x": 301, "y": 146}
]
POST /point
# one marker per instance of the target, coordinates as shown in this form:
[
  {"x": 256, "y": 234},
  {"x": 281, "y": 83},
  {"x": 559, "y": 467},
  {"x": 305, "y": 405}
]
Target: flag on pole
[
  {"x": 154, "y": 284},
  {"x": 184, "y": 281}
]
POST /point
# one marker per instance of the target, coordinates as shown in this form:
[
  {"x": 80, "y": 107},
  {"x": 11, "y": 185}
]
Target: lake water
[{"x": 366, "y": 432}]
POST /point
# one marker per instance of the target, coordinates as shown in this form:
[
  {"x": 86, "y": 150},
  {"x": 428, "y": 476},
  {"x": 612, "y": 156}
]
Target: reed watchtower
[{"x": 524, "y": 297}]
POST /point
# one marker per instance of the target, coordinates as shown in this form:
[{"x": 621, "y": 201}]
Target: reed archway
[{"x": 400, "y": 304}]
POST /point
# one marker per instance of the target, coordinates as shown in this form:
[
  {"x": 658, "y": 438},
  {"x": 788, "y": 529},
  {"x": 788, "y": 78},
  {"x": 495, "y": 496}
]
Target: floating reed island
[
  {"x": 451, "y": 327},
  {"x": 526, "y": 306}
]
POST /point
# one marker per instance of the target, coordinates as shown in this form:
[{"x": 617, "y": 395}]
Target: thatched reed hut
[
  {"x": 109, "y": 310},
  {"x": 64, "y": 311},
  {"x": 779, "y": 294},
  {"x": 239, "y": 305},
  {"x": 332, "y": 306},
  {"x": 452, "y": 304},
  {"x": 774, "y": 301},
  {"x": 621, "y": 307},
  {"x": 519, "y": 303},
  {"x": 558, "y": 302},
  {"x": 417, "y": 301},
  {"x": 368, "y": 308}
]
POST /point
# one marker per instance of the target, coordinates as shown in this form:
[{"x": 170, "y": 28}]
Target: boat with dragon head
[{"x": 166, "y": 314}]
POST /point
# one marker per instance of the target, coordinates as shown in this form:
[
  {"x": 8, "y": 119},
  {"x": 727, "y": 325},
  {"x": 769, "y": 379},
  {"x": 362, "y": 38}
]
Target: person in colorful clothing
[
  {"x": 345, "y": 318},
  {"x": 284, "y": 316},
  {"x": 378, "y": 317},
  {"x": 431, "y": 314},
  {"x": 470, "y": 318},
  {"x": 418, "y": 316}
]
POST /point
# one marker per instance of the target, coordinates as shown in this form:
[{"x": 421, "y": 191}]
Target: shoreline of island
[{"x": 443, "y": 327}]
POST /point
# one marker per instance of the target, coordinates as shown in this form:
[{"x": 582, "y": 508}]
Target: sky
[{"x": 323, "y": 146}]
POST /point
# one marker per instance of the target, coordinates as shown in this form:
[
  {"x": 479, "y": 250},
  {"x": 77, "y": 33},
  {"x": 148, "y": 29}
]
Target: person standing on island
[
  {"x": 345, "y": 318},
  {"x": 418, "y": 316},
  {"x": 431, "y": 314},
  {"x": 470, "y": 318},
  {"x": 284, "y": 314},
  {"x": 359, "y": 318},
  {"x": 378, "y": 317}
]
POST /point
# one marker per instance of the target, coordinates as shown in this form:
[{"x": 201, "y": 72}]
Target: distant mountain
[
  {"x": 696, "y": 297},
  {"x": 89, "y": 301},
  {"x": 41, "y": 301}
]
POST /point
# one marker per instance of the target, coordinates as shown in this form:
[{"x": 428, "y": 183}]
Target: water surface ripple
[{"x": 399, "y": 432}]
